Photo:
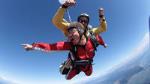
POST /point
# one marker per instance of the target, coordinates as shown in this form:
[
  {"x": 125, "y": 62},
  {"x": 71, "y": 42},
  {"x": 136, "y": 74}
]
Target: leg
[
  {"x": 87, "y": 70},
  {"x": 71, "y": 74},
  {"x": 65, "y": 67}
]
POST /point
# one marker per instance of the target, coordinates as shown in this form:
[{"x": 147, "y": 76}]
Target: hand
[
  {"x": 101, "y": 15},
  {"x": 27, "y": 47},
  {"x": 69, "y": 3},
  {"x": 101, "y": 12},
  {"x": 105, "y": 45}
]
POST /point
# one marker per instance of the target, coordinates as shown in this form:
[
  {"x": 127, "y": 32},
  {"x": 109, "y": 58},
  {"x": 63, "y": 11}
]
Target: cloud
[
  {"x": 5, "y": 81},
  {"x": 141, "y": 48}
]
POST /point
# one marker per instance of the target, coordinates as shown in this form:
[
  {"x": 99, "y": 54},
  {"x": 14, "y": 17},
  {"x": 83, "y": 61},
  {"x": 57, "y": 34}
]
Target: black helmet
[{"x": 83, "y": 15}]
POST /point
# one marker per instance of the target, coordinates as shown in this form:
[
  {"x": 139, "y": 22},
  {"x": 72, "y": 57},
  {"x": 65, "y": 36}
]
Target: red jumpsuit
[{"x": 82, "y": 53}]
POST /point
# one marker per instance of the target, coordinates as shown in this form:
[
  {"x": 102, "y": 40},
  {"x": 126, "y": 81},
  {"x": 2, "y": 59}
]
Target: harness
[
  {"x": 94, "y": 40},
  {"x": 73, "y": 53},
  {"x": 74, "y": 61}
]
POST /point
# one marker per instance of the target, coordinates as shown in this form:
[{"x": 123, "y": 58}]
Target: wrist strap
[{"x": 64, "y": 6}]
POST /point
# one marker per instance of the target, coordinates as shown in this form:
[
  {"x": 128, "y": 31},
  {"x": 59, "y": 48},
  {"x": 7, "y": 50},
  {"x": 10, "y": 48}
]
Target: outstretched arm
[
  {"x": 103, "y": 24},
  {"x": 48, "y": 47},
  {"x": 101, "y": 41}
]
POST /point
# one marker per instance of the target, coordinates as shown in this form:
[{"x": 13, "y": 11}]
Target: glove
[{"x": 68, "y": 3}]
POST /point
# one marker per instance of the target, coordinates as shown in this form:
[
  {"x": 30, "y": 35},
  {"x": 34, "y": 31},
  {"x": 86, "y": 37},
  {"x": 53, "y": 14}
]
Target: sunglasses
[{"x": 83, "y": 20}]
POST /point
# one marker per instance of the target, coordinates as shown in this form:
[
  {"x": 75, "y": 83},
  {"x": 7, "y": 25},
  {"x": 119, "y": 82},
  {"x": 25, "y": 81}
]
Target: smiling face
[{"x": 74, "y": 36}]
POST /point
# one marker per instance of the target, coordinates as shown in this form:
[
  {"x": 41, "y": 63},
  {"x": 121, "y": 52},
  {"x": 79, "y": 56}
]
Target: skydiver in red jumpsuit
[{"x": 83, "y": 54}]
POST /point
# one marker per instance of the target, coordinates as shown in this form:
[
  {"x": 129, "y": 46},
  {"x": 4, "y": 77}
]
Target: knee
[
  {"x": 71, "y": 74},
  {"x": 68, "y": 78},
  {"x": 88, "y": 73}
]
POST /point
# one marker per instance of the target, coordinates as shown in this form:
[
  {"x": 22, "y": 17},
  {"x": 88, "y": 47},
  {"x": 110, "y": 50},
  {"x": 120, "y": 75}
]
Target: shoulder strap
[
  {"x": 94, "y": 40},
  {"x": 72, "y": 53}
]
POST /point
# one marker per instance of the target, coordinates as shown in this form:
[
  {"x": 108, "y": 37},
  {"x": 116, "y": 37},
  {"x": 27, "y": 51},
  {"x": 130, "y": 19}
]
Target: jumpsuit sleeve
[
  {"x": 101, "y": 28},
  {"x": 59, "y": 21},
  {"x": 59, "y": 46},
  {"x": 100, "y": 40}
]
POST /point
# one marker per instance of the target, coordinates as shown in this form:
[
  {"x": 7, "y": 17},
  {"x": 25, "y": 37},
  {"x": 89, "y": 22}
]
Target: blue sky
[{"x": 28, "y": 21}]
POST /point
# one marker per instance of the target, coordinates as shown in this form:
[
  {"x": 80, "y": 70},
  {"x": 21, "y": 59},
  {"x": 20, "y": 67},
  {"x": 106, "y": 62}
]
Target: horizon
[{"x": 28, "y": 21}]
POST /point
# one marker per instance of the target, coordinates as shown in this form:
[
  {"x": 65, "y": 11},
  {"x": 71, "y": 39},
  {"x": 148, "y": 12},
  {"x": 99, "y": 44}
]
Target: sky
[{"x": 28, "y": 21}]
